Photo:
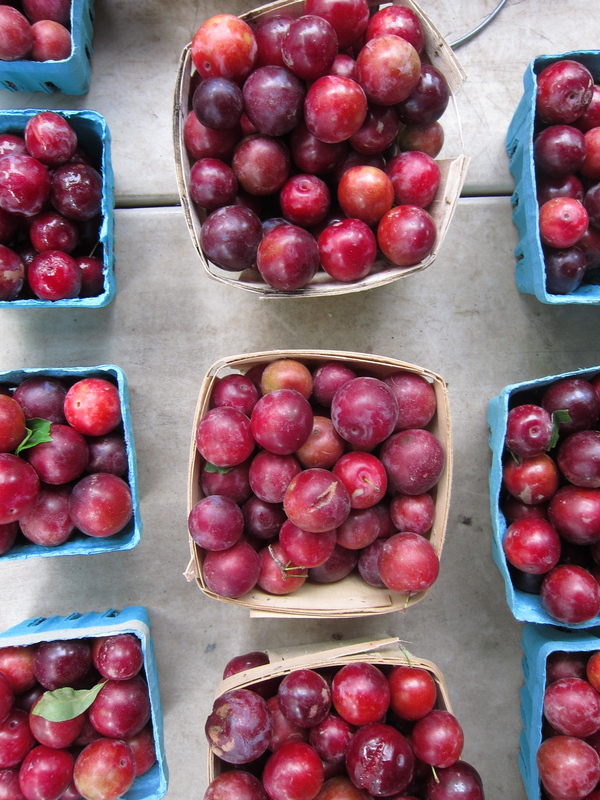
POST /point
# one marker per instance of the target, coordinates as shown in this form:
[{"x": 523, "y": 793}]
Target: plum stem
[
  {"x": 288, "y": 567},
  {"x": 371, "y": 484}
]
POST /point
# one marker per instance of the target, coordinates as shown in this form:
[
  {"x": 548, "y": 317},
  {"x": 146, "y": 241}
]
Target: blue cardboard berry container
[
  {"x": 133, "y": 619},
  {"x": 530, "y": 269},
  {"x": 538, "y": 643},
  {"x": 69, "y": 76},
  {"x": 94, "y": 137},
  {"x": 525, "y": 607},
  {"x": 79, "y": 543}
]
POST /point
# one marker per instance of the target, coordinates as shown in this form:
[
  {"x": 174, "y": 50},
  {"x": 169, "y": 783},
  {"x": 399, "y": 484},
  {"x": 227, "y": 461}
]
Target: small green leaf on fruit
[
  {"x": 559, "y": 417},
  {"x": 66, "y": 703},
  {"x": 213, "y": 468},
  {"x": 38, "y": 431}
]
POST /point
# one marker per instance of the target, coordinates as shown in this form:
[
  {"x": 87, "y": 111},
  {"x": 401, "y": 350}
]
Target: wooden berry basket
[
  {"x": 453, "y": 170},
  {"x": 382, "y": 653},
  {"x": 350, "y": 597}
]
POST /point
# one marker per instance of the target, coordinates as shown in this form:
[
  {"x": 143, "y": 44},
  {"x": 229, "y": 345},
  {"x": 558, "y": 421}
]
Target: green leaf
[
  {"x": 38, "y": 431},
  {"x": 67, "y": 703},
  {"x": 212, "y": 468},
  {"x": 558, "y": 417}
]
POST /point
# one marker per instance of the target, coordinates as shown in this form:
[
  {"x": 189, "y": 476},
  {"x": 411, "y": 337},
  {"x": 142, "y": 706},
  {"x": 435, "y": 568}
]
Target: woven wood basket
[
  {"x": 453, "y": 170},
  {"x": 350, "y": 597},
  {"x": 383, "y": 653}
]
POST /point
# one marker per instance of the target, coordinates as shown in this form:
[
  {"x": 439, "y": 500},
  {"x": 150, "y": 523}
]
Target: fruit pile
[
  {"x": 50, "y": 213},
  {"x": 338, "y": 733},
  {"x": 568, "y": 759},
  {"x": 566, "y": 154},
  {"x": 311, "y": 472},
  {"x": 74, "y": 718},
  {"x": 63, "y": 461},
  {"x": 551, "y": 478},
  {"x": 295, "y": 131},
  {"x": 40, "y": 31}
]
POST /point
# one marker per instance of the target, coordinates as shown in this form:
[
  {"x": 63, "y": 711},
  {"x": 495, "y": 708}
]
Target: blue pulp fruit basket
[
  {"x": 538, "y": 643},
  {"x": 94, "y": 137},
  {"x": 79, "y": 543},
  {"x": 525, "y": 607},
  {"x": 133, "y": 619},
  {"x": 530, "y": 269},
  {"x": 70, "y": 76}
]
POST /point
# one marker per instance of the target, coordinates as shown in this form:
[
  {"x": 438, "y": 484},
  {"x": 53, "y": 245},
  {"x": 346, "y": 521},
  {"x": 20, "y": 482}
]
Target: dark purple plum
[
  {"x": 269, "y": 34},
  {"x": 108, "y": 453},
  {"x": 591, "y": 202},
  {"x": 461, "y": 781},
  {"x": 261, "y": 164},
  {"x": 564, "y": 186},
  {"x": 273, "y": 100},
  {"x": 218, "y": 103},
  {"x": 76, "y": 191},
  {"x": 339, "y": 564},
  {"x": 309, "y": 47},
  {"x": 304, "y": 697},
  {"x": 41, "y": 396},
  {"x": 364, "y": 411},
  {"x": 203, "y": 142},
  {"x": 565, "y": 269},
  {"x": 61, "y": 663},
  {"x": 262, "y": 520},
  {"x": 230, "y": 237},
  {"x": 212, "y": 184},
  {"x": 559, "y": 150},
  {"x": 578, "y": 397},
  {"x": 239, "y": 727},
  {"x": 377, "y": 132},
  {"x": 312, "y": 155},
  {"x": 428, "y": 100},
  {"x": 380, "y": 760}
]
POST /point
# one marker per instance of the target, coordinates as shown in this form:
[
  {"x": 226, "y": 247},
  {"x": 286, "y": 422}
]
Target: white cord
[{"x": 471, "y": 34}]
